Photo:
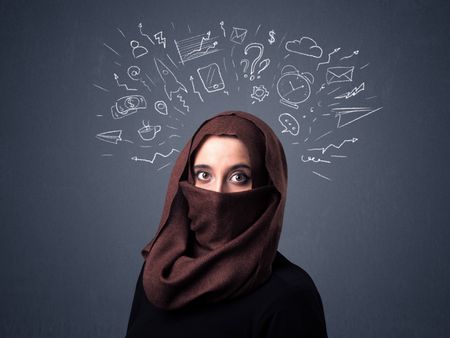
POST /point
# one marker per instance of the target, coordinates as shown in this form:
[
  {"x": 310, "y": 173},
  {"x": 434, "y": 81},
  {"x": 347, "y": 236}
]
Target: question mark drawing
[
  {"x": 245, "y": 66},
  {"x": 266, "y": 62}
]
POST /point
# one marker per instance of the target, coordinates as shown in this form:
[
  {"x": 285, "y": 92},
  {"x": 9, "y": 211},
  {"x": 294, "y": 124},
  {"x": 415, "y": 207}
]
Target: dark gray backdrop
[{"x": 375, "y": 239}]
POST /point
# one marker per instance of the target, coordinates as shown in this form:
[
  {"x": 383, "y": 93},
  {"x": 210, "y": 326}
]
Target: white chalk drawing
[
  {"x": 113, "y": 136},
  {"x": 160, "y": 38},
  {"x": 223, "y": 29},
  {"x": 320, "y": 175},
  {"x": 116, "y": 77},
  {"x": 238, "y": 35},
  {"x": 171, "y": 83},
  {"x": 100, "y": 87},
  {"x": 148, "y": 132},
  {"x": 143, "y": 34},
  {"x": 134, "y": 72},
  {"x": 355, "y": 91},
  {"x": 183, "y": 102},
  {"x": 289, "y": 123},
  {"x": 271, "y": 38},
  {"x": 262, "y": 65},
  {"x": 196, "y": 46},
  {"x": 351, "y": 114},
  {"x": 111, "y": 49},
  {"x": 137, "y": 159},
  {"x": 294, "y": 87},
  {"x": 329, "y": 58},
  {"x": 137, "y": 49},
  {"x": 161, "y": 107},
  {"x": 313, "y": 159},
  {"x": 338, "y": 101},
  {"x": 356, "y": 52},
  {"x": 259, "y": 93},
  {"x": 191, "y": 78},
  {"x": 323, "y": 150},
  {"x": 305, "y": 46},
  {"x": 128, "y": 105},
  {"x": 211, "y": 78},
  {"x": 339, "y": 74}
]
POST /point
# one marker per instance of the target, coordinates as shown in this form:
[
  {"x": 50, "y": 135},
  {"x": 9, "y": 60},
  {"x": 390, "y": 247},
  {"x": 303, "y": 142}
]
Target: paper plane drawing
[
  {"x": 349, "y": 115},
  {"x": 112, "y": 136}
]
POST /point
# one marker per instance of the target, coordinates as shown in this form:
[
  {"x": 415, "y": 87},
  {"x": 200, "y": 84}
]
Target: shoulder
[{"x": 291, "y": 287}]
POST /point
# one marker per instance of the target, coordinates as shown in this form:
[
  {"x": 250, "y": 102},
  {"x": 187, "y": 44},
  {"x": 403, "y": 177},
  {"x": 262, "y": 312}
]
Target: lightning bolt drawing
[
  {"x": 160, "y": 39},
  {"x": 194, "y": 90},
  {"x": 183, "y": 102}
]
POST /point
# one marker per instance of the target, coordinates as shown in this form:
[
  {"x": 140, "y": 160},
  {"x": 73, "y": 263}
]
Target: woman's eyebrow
[
  {"x": 201, "y": 166},
  {"x": 239, "y": 166}
]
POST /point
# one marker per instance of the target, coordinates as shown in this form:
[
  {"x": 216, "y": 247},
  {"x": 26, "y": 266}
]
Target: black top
[{"x": 287, "y": 305}]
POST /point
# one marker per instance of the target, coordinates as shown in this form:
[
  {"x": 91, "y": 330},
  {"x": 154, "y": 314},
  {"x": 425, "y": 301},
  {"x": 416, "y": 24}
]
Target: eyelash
[{"x": 246, "y": 178}]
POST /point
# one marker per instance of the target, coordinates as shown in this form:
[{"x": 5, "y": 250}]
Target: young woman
[{"x": 213, "y": 269}]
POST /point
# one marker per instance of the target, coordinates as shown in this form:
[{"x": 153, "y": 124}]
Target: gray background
[{"x": 375, "y": 239}]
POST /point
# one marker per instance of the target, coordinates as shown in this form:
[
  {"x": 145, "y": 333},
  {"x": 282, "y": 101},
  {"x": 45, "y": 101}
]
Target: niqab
[{"x": 212, "y": 246}]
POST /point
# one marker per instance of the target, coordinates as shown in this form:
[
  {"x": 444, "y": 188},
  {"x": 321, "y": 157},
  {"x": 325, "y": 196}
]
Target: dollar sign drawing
[{"x": 272, "y": 37}]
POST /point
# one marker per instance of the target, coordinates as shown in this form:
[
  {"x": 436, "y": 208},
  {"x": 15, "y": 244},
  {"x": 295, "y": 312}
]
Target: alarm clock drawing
[{"x": 294, "y": 87}]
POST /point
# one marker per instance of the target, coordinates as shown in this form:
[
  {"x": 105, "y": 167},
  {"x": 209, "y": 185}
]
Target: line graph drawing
[
  {"x": 355, "y": 91},
  {"x": 323, "y": 150},
  {"x": 116, "y": 77},
  {"x": 143, "y": 34},
  {"x": 137, "y": 159},
  {"x": 329, "y": 58},
  {"x": 196, "y": 46}
]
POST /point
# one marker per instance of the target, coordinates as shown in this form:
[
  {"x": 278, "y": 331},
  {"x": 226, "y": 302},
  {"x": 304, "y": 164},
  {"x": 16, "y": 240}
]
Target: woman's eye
[
  {"x": 240, "y": 178},
  {"x": 202, "y": 175}
]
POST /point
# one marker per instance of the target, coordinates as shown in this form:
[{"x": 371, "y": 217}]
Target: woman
[{"x": 213, "y": 269}]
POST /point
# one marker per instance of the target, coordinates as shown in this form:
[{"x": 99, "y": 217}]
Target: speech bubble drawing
[{"x": 289, "y": 123}]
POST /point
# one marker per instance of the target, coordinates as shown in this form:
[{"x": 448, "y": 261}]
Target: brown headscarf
[{"x": 212, "y": 246}]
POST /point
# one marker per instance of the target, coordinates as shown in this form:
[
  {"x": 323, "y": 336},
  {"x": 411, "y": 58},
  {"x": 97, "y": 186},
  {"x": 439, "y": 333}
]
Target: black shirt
[{"x": 287, "y": 305}]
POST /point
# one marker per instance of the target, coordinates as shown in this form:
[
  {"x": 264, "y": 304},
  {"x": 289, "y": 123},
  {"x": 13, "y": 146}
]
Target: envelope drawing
[
  {"x": 211, "y": 78},
  {"x": 339, "y": 74},
  {"x": 238, "y": 35}
]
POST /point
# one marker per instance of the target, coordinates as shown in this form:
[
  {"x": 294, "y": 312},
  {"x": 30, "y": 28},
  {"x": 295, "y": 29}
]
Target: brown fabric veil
[{"x": 212, "y": 246}]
